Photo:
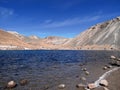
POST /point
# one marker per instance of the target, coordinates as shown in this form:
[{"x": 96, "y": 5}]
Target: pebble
[
  {"x": 46, "y": 87},
  {"x": 80, "y": 86},
  {"x": 105, "y": 68},
  {"x": 84, "y": 69},
  {"x": 91, "y": 86},
  {"x": 112, "y": 57},
  {"x": 61, "y": 86},
  {"x": 23, "y": 82},
  {"x": 87, "y": 73},
  {"x": 83, "y": 78},
  {"x": 11, "y": 84}
]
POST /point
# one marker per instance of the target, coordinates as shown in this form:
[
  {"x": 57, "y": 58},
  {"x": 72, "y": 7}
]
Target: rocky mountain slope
[
  {"x": 14, "y": 40},
  {"x": 101, "y": 36},
  {"x": 10, "y": 41},
  {"x": 55, "y": 40}
]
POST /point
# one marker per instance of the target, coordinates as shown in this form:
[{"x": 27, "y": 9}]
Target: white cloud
[
  {"x": 68, "y": 22},
  {"x": 6, "y": 12}
]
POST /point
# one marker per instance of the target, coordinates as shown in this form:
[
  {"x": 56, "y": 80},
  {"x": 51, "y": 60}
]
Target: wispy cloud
[
  {"x": 68, "y": 22},
  {"x": 6, "y": 12}
]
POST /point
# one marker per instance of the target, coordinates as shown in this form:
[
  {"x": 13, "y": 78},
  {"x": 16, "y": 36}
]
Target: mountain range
[{"x": 102, "y": 36}]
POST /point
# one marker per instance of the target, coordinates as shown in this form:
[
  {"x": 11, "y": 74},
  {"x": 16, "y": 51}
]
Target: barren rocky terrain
[{"x": 102, "y": 36}]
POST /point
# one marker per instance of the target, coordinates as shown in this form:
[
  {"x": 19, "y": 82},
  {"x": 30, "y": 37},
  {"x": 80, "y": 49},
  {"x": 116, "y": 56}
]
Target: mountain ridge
[
  {"x": 102, "y": 36},
  {"x": 105, "y": 35}
]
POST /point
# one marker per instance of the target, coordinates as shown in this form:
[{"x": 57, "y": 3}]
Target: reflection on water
[{"x": 44, "y": 69}]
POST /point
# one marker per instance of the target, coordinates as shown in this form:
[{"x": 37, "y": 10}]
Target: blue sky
[{"x": 65, "y": 18}]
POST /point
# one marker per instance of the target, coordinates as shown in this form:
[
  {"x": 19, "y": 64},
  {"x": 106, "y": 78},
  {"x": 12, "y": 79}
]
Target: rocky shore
[
  {"x": 104, "y": 77},
  {"x": 95, "y": 75}
]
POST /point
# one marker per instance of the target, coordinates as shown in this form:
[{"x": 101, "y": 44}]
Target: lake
[{"x": 46, "y": 69}]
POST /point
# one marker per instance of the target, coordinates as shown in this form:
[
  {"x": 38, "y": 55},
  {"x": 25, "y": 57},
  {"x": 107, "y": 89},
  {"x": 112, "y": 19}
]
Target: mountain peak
[
  {"x": 13, "y": 32},
  {"x": 101, "y": 36},
  {"x": 34, "y": 37},
  {"x": 16, "y": 34}
]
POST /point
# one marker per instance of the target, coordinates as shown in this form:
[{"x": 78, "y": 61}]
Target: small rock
[
  {"x": 84, "y": 69},
  {"x": 112, "y": 57},
  {"x": 103, "y": 82},
  {"x": 23, "y": 82},
  {"x": 118, "y": 59},
  {"x": 87, "y": 73},
  {"x": 61, "y": 86},
  {"x": 118, "y": 63},
  {"x": 91, "y": 86},
  {"x": 11, "y": 84},
  {"x": 46, "y": 87},
  {"x": 105, "y": 68},
  {"x": 83, "y": 78},
  {"x": 80, "y": 86}
]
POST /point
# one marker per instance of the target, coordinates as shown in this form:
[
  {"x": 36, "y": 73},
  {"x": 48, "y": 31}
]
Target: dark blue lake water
[{"x": 44, "y": 68}]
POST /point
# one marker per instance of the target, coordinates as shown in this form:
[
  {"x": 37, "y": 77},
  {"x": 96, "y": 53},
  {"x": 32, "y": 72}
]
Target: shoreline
[
  {"x": 105, "y": 75},
  {"x": 61, "y": 71}
]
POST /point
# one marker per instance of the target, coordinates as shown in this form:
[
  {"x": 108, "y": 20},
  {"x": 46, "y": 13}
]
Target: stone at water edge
[
  {"x": 23, "y": 82},
  {"x": 81, "y": 86},
  {"x": 118, "y": 63},
  {"x": 46, "y": 87},
  {"x": 105, "y": 68},
  {"x": 91, "y": 86},
  {"x": 84, "y": 69},
  {"x": 104, "y": 83},
  {"x": 61, "y": 86},
  {"x": 83, "y": 78},
  {"x": 11, "y": 84},
  {"x": 112, "y": 57},
  {"x": 87, "y": 73}
]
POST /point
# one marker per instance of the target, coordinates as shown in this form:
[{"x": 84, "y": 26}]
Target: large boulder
[{"x": 104, "y": 83}]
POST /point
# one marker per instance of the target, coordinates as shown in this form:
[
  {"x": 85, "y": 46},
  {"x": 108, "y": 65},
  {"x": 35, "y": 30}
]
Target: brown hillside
[{"x": 9, "y": 39}]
